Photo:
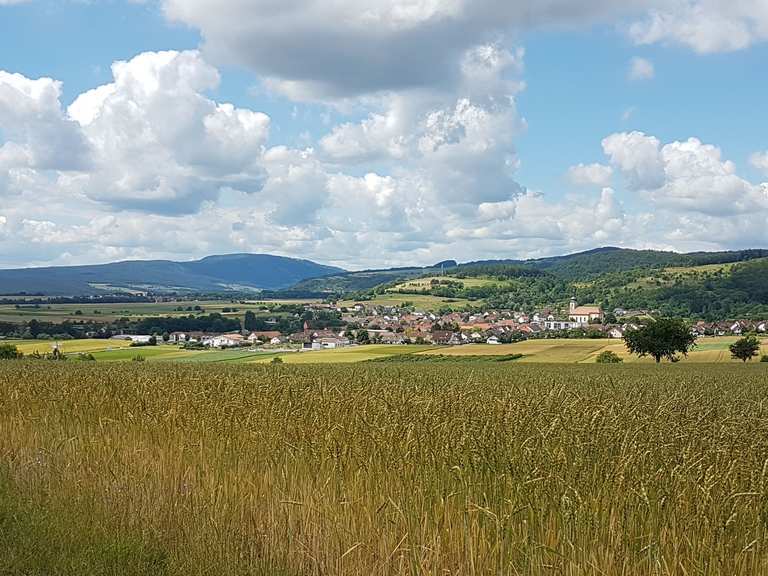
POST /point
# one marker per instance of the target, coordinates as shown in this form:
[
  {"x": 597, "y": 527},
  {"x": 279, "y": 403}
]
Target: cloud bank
[{"x": 425, "y": 168}]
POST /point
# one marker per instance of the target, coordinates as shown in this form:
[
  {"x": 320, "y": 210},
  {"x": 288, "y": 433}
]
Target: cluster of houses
[
  {"x": 736, "y": 328},
  {"x": 233, "y": 340},
  {"x": 395, "y": 325}
]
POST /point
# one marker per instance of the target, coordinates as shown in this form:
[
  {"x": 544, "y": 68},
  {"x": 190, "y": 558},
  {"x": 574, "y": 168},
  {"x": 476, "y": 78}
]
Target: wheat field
[{"x": 394, "y": 469}]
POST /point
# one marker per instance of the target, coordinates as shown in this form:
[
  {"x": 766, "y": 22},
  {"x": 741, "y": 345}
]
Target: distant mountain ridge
[
  {"x": 231, "y": 272},
  {"x": 250, "y": 272}
]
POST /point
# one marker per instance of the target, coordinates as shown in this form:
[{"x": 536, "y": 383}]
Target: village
[{"x": 368, "y": 323}]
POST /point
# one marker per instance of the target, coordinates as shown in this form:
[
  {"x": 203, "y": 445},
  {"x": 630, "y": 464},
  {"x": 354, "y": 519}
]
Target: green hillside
[{"x": 712, "y": 286}]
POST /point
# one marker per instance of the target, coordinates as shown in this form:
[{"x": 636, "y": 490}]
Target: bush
[
  {"x": 9, "y": 352},
  {"x": 138, "y": 358},
  {"x": 609, "y": 357},
  {"x": 764, "y": 358},
  {"x": 277, "y": 360}
]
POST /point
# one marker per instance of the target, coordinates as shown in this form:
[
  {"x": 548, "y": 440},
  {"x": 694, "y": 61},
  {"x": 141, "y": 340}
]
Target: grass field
[
  {"x": 68, "y": 346},
  {"x": 176, "y": 354},
  {"x": 674, "y": 274},
  {"x": 712, "y": 350},
  {"x": 110, "y": 312},
  {"x": 708, "y": 350},
  {"x": 171, "y": 469},
  {"x": 421, "y": 301},
  {"x": 351, "y": 355},
  {"x": 419, "y": 284}
]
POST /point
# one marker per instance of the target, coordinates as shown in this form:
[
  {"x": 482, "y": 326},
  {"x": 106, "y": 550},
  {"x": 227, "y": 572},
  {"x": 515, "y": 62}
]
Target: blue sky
[{"x": 366, "y": 168}]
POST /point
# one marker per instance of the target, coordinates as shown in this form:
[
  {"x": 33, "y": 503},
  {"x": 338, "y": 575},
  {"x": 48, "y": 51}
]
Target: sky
[{"x": 370, "y": 133}]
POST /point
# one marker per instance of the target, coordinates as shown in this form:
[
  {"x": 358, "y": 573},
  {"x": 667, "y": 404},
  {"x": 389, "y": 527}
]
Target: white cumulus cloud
[
  {"x": 590, "y": 175},
  {"x": 160, "y": 144},
  {"x": 760, "y": 161},
  {"x": 689, "y": 175}
]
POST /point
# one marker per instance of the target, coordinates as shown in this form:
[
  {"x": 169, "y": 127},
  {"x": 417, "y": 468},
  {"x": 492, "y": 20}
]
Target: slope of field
[
  {"x": 193, "y": 470},
  {"x": 421, "y": 284},
  {"x": 585, "y": 351},
  {"x": 68, "y": 346},
  {"x": 420, "y": 301},
  {"x": 112, "y": 312},
  {"x": 349, "y": 355}
]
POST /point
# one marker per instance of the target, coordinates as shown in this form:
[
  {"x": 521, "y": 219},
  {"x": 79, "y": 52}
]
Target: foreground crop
[{"x": 383, "y": 469}]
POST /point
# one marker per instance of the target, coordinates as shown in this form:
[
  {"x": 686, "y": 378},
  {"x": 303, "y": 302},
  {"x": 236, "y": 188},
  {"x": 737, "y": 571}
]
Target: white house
[
  {"x": 560, "y": 325},
  {"x": 331, "y": 343},
  {"x": 133, "y": 338},
  {"x": 616, "y": 333},
  {"x": 224, "y": 341}
]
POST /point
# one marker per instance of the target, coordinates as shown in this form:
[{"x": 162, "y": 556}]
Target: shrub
[
  {"x": 9, "y": 352},
  {"x": 764, "y": 358},
  {"x": 609, "y": 357},
  {"x": 277, "y": 360}
]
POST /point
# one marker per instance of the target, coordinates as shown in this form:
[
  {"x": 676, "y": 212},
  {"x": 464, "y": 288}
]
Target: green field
[
  {"x": 420, "y": 284},
  {"x": 112, "y": 312},
  {"x": 420, "y": 301},
  {"x": 68, "y": 346},
  {"x": 176, "y": 354},
  {"x": 451, "y": 469}
]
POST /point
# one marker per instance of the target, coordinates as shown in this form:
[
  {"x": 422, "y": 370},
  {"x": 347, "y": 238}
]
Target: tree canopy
[
  {"x": 663, "y": 338},
  {"x": 745, "y": 348}
]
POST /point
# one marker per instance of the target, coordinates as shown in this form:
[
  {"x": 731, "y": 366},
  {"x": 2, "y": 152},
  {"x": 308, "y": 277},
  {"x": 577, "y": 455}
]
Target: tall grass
[{"x": 383, "y": 469}]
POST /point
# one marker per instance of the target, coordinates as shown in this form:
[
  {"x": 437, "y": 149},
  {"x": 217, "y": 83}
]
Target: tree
[
  {"x": 250, "y": 322},
  {"x": 663, "y": 338},
  {"x": 9, "y": 352},
  {"x": 745, "y": 348},
  {"x": 363, "y": 337},
  {"x": 608, "y": 357}
]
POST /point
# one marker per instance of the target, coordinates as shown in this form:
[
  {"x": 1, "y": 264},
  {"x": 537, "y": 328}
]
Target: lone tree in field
[
  {"x": 745, "y": 349},
  {"x": 664, "y": 338}
]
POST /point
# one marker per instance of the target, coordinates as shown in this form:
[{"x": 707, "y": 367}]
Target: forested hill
[
  {"x": 586, "y": 265},
  {"x": 708, "y": 285},
  {"x": 581, "y": 266}
]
